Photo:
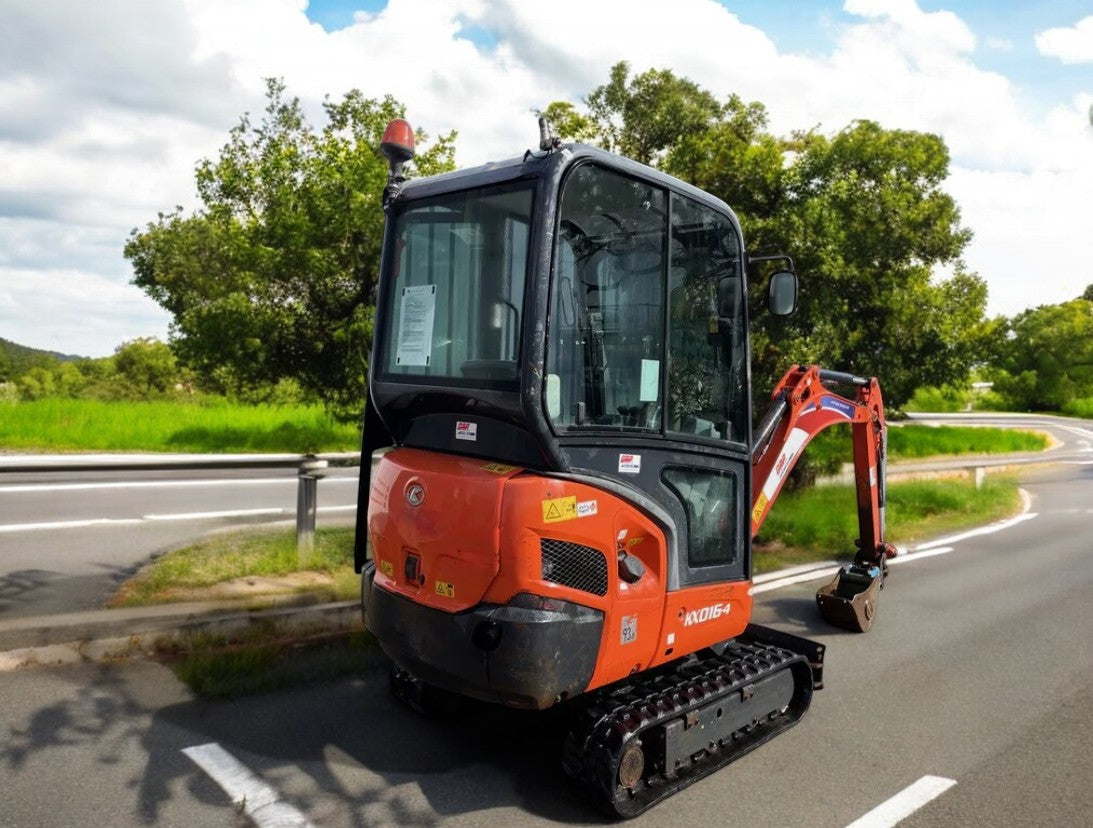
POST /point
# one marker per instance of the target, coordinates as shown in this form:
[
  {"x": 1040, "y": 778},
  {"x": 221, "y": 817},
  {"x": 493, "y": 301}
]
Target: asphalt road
[
  {"x": 978, "y": 671},
  {"x": 67, "y": 539}
]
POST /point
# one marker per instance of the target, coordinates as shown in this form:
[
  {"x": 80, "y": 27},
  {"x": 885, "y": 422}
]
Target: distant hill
[{"x": 16, "y": 358}]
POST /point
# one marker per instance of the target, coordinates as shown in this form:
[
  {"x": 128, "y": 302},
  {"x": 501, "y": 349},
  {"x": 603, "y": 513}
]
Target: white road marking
[
  {"x": 924, "y": 553},
  {"x": 791, "y": 571},
  {"x": 204, "y": 515},
  {"x": 905, "y": 803},
  {"x": 24, "y": 488},
  {"x": 257, "y": 799},
  {"x": 82, "y": 524},
  {"x": 983, "y": 530},
  {"x": 811, "y": 575},
  {"x": 67, "y": 524}
]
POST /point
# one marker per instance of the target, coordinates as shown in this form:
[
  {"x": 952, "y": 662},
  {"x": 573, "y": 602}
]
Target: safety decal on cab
[
  {"x": 557, "y": 509},
  {"x": 587, "y": 508},
  {"x": 466, "y": 431},
  {"x": 387, "y": 568},
  {"x": 629, "y": 463},
  {"x": 445, "y": 589},
  {"x": 629, "y": 629},
  {"x": 498, "y": 468},
  {"x": 760, "y": 504}
]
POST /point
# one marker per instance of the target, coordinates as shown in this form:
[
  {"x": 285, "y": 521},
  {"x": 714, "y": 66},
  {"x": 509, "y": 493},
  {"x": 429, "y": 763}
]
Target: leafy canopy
[
  {"x": 272, "y": 278},
  {"x": 862, "y": 212}
]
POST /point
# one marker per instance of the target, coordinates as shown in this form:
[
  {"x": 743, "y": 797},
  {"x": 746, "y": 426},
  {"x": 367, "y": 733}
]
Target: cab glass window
[
  {"x": 457, "y": 297},
  {"x": 606, "y": 337},
  {"x": 707, "y": 370}
]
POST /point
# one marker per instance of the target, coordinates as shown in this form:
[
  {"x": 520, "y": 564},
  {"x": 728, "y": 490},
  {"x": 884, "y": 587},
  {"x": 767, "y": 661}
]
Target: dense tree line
[
  {"x": 139, "y": 369},
  {"x": 272, "y": 278}
]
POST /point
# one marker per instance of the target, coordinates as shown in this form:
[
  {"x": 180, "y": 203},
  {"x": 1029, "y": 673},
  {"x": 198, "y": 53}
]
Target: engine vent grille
[{"x": 573, "y": 565}]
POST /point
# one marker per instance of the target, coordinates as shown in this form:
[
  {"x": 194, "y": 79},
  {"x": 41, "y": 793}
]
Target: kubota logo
[
  {"x": 415, "y": 494},
  {"x": 710, "y": 613}
]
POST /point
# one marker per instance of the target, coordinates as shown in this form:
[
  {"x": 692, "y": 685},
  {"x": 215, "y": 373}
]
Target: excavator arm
[{"x": 802, "y": 406}]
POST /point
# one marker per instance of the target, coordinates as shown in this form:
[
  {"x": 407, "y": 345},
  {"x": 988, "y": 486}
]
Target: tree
[
  {"x": 644, "y": 117},
  {"x": 862, "y": 212},
  {"x": 147, "y": 365},
  {"x": 1087, "y": 294},
  {"x": 273, "y": 277},
  {"x": 1047, "y": 360}
]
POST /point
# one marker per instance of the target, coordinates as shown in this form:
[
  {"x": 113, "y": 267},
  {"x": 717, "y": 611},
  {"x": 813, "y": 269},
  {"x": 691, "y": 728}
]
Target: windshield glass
[
  {"x": 647, "y": 292},
  {"x": 607, "y": 323},
  {"x": 457, "y": 292}
]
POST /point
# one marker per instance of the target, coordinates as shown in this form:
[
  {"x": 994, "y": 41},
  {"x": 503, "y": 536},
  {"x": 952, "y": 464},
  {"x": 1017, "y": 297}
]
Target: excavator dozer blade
[{"x": 850, "y": 600}]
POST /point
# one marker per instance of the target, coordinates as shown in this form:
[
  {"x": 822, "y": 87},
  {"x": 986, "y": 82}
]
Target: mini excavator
[{"x": 565, "y": 509}]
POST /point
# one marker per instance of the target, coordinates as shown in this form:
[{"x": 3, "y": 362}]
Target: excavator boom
[{"x": 802, "y": 406}]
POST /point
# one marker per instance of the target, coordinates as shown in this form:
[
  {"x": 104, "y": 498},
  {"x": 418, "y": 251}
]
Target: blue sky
[
  {"x": 105, "y": 108},
  {"x": 1005, "y": 29}
]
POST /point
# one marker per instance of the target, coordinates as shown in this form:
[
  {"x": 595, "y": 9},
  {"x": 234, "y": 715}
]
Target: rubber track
[{"x": 612, "y": 720}]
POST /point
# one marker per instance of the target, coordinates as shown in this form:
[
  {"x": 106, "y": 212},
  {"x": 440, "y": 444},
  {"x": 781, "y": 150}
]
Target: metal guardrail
[
  {"x": 310, "y": 472},
  {"x": 15, "y": 464}
]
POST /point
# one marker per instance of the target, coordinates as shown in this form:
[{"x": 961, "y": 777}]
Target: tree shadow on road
[{"x": 343, "y": 752}]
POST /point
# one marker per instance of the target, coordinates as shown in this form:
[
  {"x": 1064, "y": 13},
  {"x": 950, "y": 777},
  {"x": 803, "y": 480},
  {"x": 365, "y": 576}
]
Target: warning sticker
[
  {"x": 629, "y": 463},
  {"x": 629, "y": 629},
  {"x": 387, "y": 568},
  {"x": 466, "y": 431},
  {"x": 586, "y": 508},
  {"x": 760, "y": 504},
  {"x": 498, "y": 468},
  {"x": 558, "y": 509},
  {"x": 445, "y": 589}
]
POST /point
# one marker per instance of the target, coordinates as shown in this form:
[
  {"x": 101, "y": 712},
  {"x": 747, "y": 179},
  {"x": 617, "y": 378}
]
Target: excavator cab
[{"x": 560, "y": 368}]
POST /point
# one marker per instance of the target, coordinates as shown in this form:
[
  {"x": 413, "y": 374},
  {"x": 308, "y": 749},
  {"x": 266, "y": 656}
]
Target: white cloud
[
  {"x": 106, "y": 107},
  {"x": 1072, "y": 45},
  {"x": 73, "y": 306}
]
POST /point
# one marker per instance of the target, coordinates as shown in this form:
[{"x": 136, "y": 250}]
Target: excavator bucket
[{"x": 850, "y": 600}]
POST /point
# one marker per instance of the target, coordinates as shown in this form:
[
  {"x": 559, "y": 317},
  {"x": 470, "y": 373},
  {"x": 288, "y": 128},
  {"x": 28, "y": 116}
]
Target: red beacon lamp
[{"x": 397, "y": 146}]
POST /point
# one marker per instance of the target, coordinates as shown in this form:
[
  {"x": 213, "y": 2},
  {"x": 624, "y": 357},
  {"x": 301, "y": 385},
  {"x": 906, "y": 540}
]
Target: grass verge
[
  {"x": 831, "y": 448},
  {"x": 244, "y": 564},
  {"x": 91, "y": 425},
  {"x": 821, "y": 523},
  {"x": 214, "y": 667}
]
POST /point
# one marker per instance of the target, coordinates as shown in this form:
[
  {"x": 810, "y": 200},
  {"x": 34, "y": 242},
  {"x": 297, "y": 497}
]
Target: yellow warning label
[
  {"x": 558, "y": 509},
  {"x": 498, "y": 468},
  {"x": 445, "y": 589},
  {"x": 387, "y": 568},
  {"x": 760, "y": 505}
]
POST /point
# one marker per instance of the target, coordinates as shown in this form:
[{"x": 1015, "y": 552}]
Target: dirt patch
[{"x": 249, "y": 587}]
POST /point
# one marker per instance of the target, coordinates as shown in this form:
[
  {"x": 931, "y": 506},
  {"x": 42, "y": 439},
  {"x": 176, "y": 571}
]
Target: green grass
[
  {"x": 61, "y": 425},
  {"x": 833, "y": 447},
  {"x": 822, "y": 523},
  {"x": 215, "y": 667},
  {"x": 250, "y": 553}
]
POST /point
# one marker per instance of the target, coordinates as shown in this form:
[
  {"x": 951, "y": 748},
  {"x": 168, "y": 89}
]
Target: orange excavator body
[{"x": 565, "y": 509}]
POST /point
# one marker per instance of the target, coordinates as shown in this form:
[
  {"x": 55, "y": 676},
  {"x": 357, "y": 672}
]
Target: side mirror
[{"x": 782, "y": 298}]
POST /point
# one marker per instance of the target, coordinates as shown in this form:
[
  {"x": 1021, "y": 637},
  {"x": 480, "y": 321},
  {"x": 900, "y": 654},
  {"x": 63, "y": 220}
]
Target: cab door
[{"x": 647, "y": 369}]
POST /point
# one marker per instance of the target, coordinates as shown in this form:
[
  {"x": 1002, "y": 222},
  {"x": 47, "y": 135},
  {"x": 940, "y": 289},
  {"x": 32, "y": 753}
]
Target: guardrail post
[
  {"x": 980, "y": 476},
  {"x": 307, "y": 497}
]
